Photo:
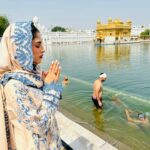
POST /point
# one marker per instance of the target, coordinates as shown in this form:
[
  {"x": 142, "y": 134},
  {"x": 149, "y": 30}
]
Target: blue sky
[{"x": 78, "y": 14}]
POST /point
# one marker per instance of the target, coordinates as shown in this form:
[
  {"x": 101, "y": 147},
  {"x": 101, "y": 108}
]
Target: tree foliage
[
  {"x": 4, "y": 23},
  {"x": 58, "y": 29},
  {"x": 145, "y": 33}
]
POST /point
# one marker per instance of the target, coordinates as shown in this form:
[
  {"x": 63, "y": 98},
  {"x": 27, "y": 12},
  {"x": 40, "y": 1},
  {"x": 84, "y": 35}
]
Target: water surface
[{"x": 127, "y": 86}]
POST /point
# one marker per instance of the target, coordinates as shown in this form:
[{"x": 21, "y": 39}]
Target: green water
[{"x": 127, "y": 86}]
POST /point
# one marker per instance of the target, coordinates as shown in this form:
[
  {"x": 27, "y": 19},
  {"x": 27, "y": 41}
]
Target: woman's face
[{"x": 37, "y": 49}]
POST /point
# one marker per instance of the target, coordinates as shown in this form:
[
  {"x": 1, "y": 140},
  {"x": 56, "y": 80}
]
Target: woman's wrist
[
  {"x": 53, "y": 88},
  {"x": 48, "y": 81}
]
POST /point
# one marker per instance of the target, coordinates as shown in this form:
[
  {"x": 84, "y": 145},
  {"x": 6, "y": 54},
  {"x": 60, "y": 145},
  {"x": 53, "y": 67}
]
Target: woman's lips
[{"x": 41, "y": 56}]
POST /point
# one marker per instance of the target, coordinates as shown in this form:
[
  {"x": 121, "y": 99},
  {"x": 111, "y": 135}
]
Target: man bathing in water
[
  {"x": 65, "y": 80},
  {"x": 141, "y": 117},
  {"x": 97, "y": 90}
]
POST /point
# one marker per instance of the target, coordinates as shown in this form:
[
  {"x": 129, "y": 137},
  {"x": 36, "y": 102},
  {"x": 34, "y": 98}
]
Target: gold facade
[{"x": 114, "y": 28}]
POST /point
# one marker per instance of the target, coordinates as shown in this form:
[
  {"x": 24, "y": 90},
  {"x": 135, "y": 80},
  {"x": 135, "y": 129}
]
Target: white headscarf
[
  {"x": 15, "y": 58},
  {"x": 16, "y": 48}
]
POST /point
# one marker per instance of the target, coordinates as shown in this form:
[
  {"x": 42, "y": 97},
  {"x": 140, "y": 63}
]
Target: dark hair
[
  {"x": 101, "y": 73},
  {"x": 34, "y": 30},
  {"x": 66, "y": 78}
]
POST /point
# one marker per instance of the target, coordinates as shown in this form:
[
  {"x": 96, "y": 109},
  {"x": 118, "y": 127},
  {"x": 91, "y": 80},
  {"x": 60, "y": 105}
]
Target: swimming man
[{"x": 141, "y": 117}]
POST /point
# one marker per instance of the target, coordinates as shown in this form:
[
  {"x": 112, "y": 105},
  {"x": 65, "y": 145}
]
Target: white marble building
[
  {"x": 136, "y": 30},
  {"x": 72, "y": 36}
]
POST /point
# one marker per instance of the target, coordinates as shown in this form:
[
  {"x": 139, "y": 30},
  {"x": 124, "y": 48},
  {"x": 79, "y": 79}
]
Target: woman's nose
[{"x": 42, "y": 48}]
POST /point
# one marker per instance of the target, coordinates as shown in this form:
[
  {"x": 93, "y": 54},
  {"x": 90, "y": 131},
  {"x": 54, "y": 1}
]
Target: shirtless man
[
  {"x": 97, "y": 90},
  {"x": 141, "y": 118}
]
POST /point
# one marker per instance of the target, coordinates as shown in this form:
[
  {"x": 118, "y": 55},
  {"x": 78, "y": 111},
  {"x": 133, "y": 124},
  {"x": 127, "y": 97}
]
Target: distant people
[
  {"x": 65, "y": 80},
  {"x": 97, "y": 90},
  {"x": 139, "y": 117}
]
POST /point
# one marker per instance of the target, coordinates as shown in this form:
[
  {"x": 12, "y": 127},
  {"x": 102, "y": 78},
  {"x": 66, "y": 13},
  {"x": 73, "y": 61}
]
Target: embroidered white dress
[
  {"x": 30, "y": 104},
  {"x": 31, "y": 114}
]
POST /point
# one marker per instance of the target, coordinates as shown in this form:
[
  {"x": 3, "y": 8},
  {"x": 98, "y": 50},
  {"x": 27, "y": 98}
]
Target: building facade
[
  {"x": 137, "y": 30},
  {"x": 114, "y": 31},
  {"x": 69, "y": 37}
]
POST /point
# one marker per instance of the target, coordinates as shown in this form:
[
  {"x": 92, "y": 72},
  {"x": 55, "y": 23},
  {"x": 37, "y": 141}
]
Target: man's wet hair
[
  {"x": 101, "y": 73},
  {"x": 66, "y": 78}
]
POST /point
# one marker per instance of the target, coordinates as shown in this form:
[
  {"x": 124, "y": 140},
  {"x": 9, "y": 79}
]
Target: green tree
[
  {"x": 145, "y": 34},
  {"x": 4, "y": 23},
  {"x": 58, "y": 29}
]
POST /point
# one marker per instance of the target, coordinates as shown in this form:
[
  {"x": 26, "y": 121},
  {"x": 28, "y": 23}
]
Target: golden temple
[{"x": 115, "y": 29}]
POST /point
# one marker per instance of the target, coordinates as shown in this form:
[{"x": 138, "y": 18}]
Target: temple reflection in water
[{"x": 111, "y": 54}]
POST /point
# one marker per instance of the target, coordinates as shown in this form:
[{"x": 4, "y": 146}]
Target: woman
[{"x": 30, "y": 99}]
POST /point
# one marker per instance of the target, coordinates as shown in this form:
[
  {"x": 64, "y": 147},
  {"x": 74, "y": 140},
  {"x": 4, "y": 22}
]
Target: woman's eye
[{"x": 37, "y": 46}]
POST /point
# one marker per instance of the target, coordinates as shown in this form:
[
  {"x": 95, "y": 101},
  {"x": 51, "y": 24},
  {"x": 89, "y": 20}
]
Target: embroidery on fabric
[
  {"x": 46, "y": 121},
  {"x": 23, "y": 40},
  {"x": 21, "y": 77}
]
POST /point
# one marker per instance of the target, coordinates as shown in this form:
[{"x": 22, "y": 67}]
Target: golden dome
[
  {"x": 117, "y": 20},
  {"x": 129, "y": 20},
  {"x": 109, "y": 19},
  {"x": 98, "y": 21}
]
